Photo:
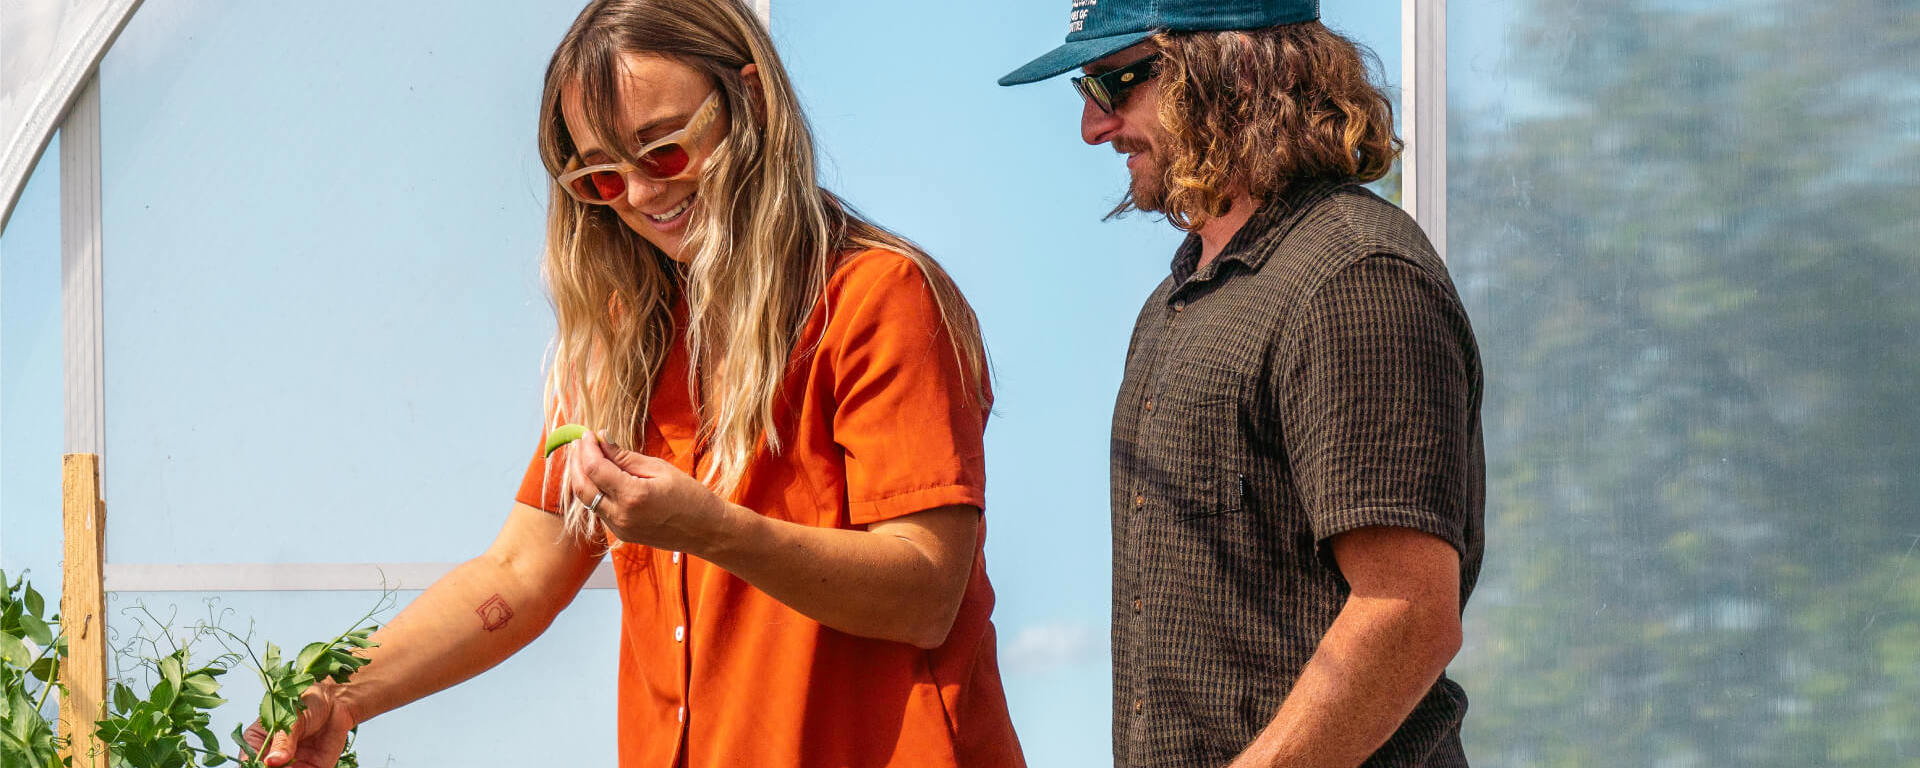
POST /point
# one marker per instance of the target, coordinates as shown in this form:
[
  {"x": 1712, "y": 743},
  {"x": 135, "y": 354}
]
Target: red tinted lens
[
  {"x": 665, "y": 162},
  {"x": 600, "y": 187},
  {"x": 606, "y": 185}
]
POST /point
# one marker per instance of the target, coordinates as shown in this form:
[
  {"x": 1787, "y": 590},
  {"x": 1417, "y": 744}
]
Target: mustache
[{"x": 1129, "y": 146}]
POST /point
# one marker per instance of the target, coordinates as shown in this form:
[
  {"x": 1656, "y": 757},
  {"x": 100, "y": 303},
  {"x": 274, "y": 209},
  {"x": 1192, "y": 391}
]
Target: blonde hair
[{"x": 763, "y": 242}]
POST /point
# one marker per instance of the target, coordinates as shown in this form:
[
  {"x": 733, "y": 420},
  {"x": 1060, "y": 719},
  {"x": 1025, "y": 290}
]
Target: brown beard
[{"x": 1147, "y": 191}]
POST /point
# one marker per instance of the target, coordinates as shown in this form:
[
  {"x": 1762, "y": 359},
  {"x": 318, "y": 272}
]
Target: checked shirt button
[{"x": 1139, "y": 501}]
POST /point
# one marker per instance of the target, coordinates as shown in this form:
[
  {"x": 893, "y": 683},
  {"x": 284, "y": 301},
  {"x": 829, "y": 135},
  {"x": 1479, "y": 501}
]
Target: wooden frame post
[{"x": 83, "y": 608}]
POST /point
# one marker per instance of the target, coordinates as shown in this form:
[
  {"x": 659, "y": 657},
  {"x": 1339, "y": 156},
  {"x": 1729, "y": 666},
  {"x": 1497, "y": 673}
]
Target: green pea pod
[{"x": 563, "y": 434}]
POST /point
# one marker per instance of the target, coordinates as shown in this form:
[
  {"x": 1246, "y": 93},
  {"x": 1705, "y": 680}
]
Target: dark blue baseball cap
[{"x": 1097, "y": 29}]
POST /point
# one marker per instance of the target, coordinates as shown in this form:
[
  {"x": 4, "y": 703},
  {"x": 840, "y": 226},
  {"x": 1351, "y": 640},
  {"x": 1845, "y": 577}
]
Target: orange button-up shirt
[{"x": 878, "y": 421}]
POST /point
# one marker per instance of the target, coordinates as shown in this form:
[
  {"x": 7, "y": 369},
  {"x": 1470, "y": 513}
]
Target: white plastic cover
[{"x": 48, "y": 49}]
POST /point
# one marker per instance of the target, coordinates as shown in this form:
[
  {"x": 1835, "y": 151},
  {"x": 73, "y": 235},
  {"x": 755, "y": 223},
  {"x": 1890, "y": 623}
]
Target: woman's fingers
[
  {"x": 253, "y": 738},
  {"x": 620, "y": 479},
  {"x": 281, "y": 750},
  {"x": 583, "y": 489},
  {"x": 633, "y": 462}
]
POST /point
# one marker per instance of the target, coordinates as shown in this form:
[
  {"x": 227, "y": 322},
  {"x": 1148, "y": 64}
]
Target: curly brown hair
[{"x": 1261, "y": 110}]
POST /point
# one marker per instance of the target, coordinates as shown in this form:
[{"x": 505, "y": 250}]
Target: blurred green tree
[{"x": 1689, "y": 239}]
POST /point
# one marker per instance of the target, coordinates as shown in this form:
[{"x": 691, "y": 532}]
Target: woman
[{"x": 795, "y": 521}]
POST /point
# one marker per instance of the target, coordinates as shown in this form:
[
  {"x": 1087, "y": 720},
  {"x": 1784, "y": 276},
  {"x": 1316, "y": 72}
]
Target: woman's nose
[{"x": 640, "y": 189}]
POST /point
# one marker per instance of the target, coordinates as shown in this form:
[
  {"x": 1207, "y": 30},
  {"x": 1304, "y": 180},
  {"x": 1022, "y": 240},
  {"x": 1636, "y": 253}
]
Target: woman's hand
[
  {"x": 318, "y": 736},
  {"x": 643, "y": 499}
]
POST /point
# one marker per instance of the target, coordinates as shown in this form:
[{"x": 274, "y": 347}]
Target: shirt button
[
  {"x": 1139, "y": 501},
  {"x": 1139, "y": 705},
  {"x": 1149, "y": 405},
  {"x": 1179, "y": 305},
  {"x": 676, "y": 557},
  {"x": 680, "y": 633},
  {"x": 1136, "y": 605}
]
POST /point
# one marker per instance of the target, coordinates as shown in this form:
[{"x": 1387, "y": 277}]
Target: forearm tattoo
[{"x": 494, "y": 613}]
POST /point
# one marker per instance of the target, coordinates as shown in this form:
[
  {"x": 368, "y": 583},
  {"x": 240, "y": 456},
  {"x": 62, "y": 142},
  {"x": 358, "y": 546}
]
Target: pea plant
[
  {"x": 171, "y": 725},
  {"x": 31, "y": 650}
]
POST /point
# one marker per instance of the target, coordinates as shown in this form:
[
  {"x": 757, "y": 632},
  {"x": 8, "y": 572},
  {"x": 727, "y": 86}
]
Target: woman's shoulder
[
  {"x": 862, "y": 271},
  {"x": 879, "y": 292}
]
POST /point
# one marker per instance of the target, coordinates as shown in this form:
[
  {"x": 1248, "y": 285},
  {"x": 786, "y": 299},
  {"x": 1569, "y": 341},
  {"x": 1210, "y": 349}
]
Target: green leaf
[
  {"x": 47, "y": 670},
  {"x": 111, "y": 730},
  {"x": 166, "y": 754},
  {"x": 308, "y": 655},
  {"x": 240, "y": 742},
  {"x": 35, "y": 604},
  {"x": 200, "y": 700},
  {"x": 162, "y": 695},
  {"x": 272, "y": 659},
  {"x": 202, "y": 682},
  {"x": 20, "y": 724},
  {"x": 123, "y": 698},
  {"x": 273, "y": 711},
  {"x": 35, "y": 630},
  {"x": 170, "y": 669},
  {"x": 12, "y": 651}
]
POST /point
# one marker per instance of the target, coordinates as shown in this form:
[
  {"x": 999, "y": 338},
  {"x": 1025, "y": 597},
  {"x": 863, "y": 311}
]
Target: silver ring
[{"x": 596, "y": 501}]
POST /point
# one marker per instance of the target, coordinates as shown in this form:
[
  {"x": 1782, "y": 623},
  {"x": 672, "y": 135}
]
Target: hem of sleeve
[
  {"x": 533, "y": 490},
  {"x": 876, "y": 510},
  {"x": 518, "y": 499},
  {"x": 1354, "y": 518}
]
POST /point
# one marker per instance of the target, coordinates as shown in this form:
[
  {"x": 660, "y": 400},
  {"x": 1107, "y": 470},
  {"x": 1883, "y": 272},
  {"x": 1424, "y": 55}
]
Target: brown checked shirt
[{"x": 1317, "y": 377}]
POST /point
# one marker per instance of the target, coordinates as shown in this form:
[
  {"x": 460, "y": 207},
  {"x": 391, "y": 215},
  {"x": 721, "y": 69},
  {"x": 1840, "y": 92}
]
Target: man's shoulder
[{"x": 1341, "y": 225}]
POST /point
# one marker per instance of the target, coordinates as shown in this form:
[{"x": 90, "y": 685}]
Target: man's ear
[{"x": 751, "y": 74}]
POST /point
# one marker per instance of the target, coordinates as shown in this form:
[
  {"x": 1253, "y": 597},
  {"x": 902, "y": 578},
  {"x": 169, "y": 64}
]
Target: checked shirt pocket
[
  {"x": 1203, "y": 455},
  {"x": 1228, "y": 495}
]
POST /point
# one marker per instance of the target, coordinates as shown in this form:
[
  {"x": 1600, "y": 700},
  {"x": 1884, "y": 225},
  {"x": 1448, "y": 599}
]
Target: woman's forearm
[
  {"x": 900, "y": 580},
  {"x": 471, "y": 619}
]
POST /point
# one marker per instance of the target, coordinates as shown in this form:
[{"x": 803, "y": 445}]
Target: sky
[{"x": 325, "y": 322}]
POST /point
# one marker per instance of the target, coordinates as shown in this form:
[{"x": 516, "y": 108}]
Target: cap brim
[{"x": 1072, "y": 55}]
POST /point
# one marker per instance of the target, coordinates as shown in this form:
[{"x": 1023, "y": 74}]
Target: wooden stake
[{"x": 83, "y": 608}]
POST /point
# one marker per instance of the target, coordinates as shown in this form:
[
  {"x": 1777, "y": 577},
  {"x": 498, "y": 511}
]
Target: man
[{"x": 1297, "y": 469}]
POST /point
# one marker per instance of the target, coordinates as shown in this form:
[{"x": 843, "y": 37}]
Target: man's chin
[{"x": 1149, "y": 198}]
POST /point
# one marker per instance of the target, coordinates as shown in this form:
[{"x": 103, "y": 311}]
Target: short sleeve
[
  {"x": 909, "y": 421},
  {"x": 540, "y": 486},
  {"x": 1381, "y": 402}
]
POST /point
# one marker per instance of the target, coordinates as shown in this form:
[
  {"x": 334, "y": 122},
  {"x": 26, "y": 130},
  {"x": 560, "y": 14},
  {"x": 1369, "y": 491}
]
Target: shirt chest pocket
[{"x": 1198, "y": 439}]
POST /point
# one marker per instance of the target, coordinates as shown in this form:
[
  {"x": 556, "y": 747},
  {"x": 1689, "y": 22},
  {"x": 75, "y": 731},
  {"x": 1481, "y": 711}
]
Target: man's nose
[{"x": 1096, "y": 126}]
